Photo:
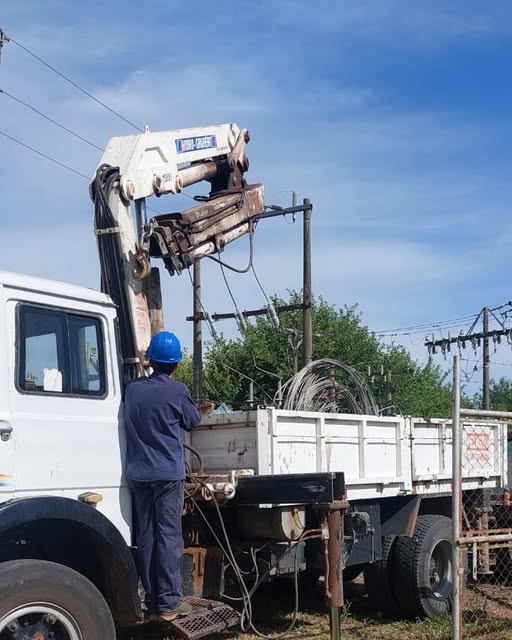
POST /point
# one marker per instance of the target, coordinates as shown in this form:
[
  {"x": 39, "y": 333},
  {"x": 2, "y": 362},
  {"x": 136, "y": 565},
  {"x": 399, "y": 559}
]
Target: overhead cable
[
  {"x": 428, "y": 325},
  {"x": 72, "y": 82},
  {"x": 420, "y": 328},
  {"x": 43, "y": 115},
  {"x": 44, "y": 155}
]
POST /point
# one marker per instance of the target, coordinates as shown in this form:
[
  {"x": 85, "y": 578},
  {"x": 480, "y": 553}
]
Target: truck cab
[
  {"x": 60, "y": 395},
  {"x": 63, "y": 499}
]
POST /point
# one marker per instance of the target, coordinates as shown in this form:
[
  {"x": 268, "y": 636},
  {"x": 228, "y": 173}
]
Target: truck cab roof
[{"x": 12, "y": 280}]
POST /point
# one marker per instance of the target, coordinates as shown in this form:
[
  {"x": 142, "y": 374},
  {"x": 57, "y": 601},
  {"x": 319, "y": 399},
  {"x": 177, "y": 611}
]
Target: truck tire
[
  {"x": 378, "y": 581},
  {"x": 423, "y": 568},
  {"x": 40, "y": 599}
]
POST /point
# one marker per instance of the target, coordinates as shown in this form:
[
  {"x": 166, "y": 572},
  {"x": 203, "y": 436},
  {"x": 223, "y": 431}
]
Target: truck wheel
[
  {"x": 378, "y": 581},
  {"x": 42, "y": 600},
  {"x": 423, "y": 568}
]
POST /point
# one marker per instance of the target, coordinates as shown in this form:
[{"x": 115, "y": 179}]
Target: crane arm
[
  {"x": 168, "y": 161},
  {"x": 135, "y": 167}
]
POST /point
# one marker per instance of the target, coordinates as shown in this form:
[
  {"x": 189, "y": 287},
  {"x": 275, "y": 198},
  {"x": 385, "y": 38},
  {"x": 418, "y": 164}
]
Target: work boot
[
  {"x": 182, "y": 610},
  {"x": 151, "y": 616}
]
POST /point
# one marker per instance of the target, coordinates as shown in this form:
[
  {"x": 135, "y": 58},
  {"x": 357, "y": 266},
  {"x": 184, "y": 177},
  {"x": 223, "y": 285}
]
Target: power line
[
  {"x": 423, "y": 331},
  {"x": 43, "y": 115},
  {"x": 454, "y": 323},
  {"x": 259, "y": 284},
  {"x": 44, "y": 155},
  {"x": 428, "y": 325},
  {"x": 52, "y": 159},
  {"x": 72, "y": 82}
]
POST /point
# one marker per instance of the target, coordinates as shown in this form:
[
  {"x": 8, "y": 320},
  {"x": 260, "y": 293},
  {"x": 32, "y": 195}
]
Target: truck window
[{"x": 59, "y": 352}]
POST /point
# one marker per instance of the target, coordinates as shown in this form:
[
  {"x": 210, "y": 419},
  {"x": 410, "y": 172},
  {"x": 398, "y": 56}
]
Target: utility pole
[
  {"x": 306, "y": 287},
  {"x": 485, "y": 348},
  {"x": 475, "y": 339},
  {"x": 197, "y": 365}
]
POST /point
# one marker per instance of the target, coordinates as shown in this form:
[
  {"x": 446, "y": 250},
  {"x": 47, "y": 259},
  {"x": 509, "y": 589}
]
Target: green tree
[
  {"x": 184, "y": 371},
  {"x": 266, "y": 354},
  {"x": 500, "y": 395}
]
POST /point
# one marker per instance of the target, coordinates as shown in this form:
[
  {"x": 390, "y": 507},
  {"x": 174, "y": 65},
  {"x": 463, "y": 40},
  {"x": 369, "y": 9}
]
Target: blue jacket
[{"x": 156, "y": 411}]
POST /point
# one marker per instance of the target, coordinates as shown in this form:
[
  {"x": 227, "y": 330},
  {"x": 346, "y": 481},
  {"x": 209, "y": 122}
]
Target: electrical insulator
[
  {"x": 272, "y": 314},
  {"x": 242, "y": 322},
  {"x": 211, "y": 324}
]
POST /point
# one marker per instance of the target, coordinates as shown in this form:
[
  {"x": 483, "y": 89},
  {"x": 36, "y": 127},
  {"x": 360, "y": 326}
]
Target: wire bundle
[{"x": 316, "y": 388}]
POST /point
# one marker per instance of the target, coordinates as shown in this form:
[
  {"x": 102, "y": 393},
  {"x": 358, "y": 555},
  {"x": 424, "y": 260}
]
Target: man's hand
[{"x": 206, "y": 407}]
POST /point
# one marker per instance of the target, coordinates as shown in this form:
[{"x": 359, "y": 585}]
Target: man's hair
[{"x": 164, "y": 367}]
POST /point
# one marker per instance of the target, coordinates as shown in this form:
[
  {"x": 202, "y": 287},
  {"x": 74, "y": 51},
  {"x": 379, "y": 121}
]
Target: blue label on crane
[{"x": 196, "y": 143}]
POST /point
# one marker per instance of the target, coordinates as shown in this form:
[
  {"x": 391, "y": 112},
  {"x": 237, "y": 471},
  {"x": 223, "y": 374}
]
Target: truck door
[
  {"x": 6, "y": 440},
  {"x": 65, "y": 405}
]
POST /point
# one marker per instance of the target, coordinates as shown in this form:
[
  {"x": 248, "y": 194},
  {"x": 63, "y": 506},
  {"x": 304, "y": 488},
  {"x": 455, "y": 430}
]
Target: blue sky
[{"x": 393, "y": 117}]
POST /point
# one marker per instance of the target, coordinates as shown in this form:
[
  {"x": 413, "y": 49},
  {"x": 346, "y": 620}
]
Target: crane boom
[{"x": 138, "y": 166}]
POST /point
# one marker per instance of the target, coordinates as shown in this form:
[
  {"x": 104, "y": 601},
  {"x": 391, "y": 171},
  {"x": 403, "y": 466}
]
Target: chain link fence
[{"x": 482, "y": 522}]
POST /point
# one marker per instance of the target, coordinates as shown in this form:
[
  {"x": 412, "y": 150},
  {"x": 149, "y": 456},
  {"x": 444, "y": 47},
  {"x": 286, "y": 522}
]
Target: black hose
[
  {"x": 198, "y": 456},
  {"x": 109, "y": 250}
]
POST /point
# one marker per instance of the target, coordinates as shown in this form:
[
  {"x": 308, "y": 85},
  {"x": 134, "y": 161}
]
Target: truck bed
[{"x": 380, "y": 456}]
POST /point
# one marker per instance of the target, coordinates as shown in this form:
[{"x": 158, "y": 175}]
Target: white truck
[{"x": 277, "y": 480}]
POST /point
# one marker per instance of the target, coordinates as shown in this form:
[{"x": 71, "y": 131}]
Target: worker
[{"x": 157, "y": 411}]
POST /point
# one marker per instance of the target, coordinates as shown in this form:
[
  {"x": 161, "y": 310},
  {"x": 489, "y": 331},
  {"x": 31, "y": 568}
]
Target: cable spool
[{"x": 328, "y": 386}]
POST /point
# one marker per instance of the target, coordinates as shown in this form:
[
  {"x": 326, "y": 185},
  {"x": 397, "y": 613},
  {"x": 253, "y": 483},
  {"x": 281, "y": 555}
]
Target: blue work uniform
[{"x": 157, "y": 411}]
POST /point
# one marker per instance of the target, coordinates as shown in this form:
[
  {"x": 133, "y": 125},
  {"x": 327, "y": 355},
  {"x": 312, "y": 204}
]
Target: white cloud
[{"x": 407, "y": 202}]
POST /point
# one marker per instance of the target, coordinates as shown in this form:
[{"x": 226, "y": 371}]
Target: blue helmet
[{"x": 164, "y": 347}]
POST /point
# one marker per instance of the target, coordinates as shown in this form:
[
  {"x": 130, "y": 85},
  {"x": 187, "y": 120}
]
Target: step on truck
[{"x": 269, "y": 493}]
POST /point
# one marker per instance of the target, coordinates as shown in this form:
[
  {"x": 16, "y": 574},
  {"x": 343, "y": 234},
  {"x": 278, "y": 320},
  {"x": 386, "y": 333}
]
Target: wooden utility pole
[
  {"x": 307, "y": 298},
  {"x": 198, "y": 335},
  {"x": 486, "y": 370},
  {"x": 475, "y": 338}
]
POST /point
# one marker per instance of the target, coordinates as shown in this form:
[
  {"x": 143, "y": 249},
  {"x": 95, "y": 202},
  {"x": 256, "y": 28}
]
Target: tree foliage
[
  {"x": 266, "y": 355},
  {"x": 500, "y": 395},
  {"x": 184, "y": 371}
]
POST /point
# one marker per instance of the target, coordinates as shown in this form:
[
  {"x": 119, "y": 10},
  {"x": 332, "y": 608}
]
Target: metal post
[
  {"x": 251, "y": 393},
  {"x": 198, "y": 335},
  {"x": 389, "y": 394},
  {"x": 486, "y": 402},
  {"x": 333, "y": 522},
  {"x": 306, "y": 288},
  {"x": 456, "y": 503}
]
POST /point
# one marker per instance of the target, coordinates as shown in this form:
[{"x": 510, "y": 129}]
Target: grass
[{"x": 272, "y": 615}]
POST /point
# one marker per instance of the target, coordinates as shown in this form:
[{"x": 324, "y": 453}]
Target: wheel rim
[
  {"x": 440, "y": 570},
  {"x": 39, "y": 621}
]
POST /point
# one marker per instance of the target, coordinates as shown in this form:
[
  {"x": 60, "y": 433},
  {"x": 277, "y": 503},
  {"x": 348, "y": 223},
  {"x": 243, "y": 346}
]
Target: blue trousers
[{"x": 158, "y": 510}]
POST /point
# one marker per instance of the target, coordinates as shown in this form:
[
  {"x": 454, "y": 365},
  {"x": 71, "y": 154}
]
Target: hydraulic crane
[{"x": 135, "y": 167}]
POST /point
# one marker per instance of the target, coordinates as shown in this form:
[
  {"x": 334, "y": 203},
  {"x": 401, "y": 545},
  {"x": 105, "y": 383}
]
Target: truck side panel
[{"x": 380, "y": 456}]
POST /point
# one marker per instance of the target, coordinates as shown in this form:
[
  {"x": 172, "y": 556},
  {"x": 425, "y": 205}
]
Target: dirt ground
[{"x": 488, "y": 615}]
